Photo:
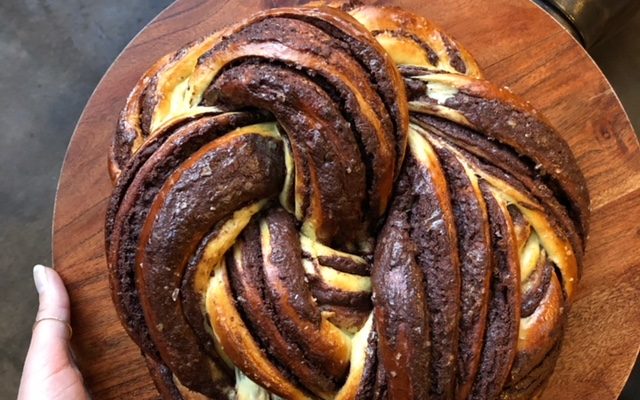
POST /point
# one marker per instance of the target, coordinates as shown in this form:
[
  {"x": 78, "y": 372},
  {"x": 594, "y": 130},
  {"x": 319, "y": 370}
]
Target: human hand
[{"x": 49, "y": 371}]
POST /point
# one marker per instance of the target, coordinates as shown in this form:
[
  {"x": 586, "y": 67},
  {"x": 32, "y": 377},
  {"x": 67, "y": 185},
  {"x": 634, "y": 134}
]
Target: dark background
[{"x": 52, "y": 55}]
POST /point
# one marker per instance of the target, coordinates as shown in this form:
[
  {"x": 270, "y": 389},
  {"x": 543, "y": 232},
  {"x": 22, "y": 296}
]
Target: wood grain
[{"x": 519, "y": 46}]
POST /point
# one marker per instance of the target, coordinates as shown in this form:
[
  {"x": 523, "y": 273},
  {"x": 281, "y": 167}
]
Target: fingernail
[{"x": 40, "y": 277}]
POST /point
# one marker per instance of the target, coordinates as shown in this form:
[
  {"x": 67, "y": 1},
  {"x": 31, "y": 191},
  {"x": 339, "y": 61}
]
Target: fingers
[
  {"x": 53, "y": 312},
  {"x": 49, "y": 349},
  {"x": 49, "y": 371}
]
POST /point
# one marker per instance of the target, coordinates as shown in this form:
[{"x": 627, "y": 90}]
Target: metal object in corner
[{"x": 591, "y": 20}]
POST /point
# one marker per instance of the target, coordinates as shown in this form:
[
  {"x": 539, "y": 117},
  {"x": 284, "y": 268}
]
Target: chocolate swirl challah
[{"x": 331, "y": 203}]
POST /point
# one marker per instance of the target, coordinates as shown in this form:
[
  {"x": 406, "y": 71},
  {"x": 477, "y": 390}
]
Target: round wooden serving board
[{"x": 519, "y": 46}]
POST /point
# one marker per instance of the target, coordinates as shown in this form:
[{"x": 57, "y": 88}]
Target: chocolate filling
[
  {"x": 538, "y": 284},
  {"x": 135, "y": 118},
  {"x": 345, "y": 264},
  {"x": 129, "y": 206},
  {"x": 543, "y": 337},
  {"x": 366, "y": 389},
  {"x": 432, "y": 56},
  {"x": 401, "y": 305},
  {"x": 474, "y": 247},
  {"x": 529, "y": 386},
  {"x": 148, "y": 101},
  {"x": 380, "y": 389},
  {"x": 328, "y": 63},
  {"x": 193, "y": 306},
  {"x": 248, "y": 283},
  {"x": 130, "y": 124},
  {"x": 502, "y": 118},
  {"x": 323, "y": 147},
  {"x": 501, "y": 334},
  {"x": 512, "y": 166},
  {"x": 454, "y": 54},
  {"x": 366, "y": 51},
  {"x": 349, "y": 319},
  {"x": 121, "y": 146},
  {"x": 433, "y": 231},
  {"x": 297, "y": 315},
  {"x": 326, "y": 295},
  {"x": 413, "y": 87},
  {"x": 476, "y": 143},
  {"x": 383, "y": 75},
  {"x": 220, "y": 178}
]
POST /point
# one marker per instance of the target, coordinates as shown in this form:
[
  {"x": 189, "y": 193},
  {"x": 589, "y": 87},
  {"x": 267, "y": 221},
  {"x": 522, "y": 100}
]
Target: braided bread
[{"x": 331, "y": 203}]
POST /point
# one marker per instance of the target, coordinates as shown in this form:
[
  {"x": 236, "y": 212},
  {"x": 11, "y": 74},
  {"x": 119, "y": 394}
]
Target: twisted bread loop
[{"x": 331, "y": 203}]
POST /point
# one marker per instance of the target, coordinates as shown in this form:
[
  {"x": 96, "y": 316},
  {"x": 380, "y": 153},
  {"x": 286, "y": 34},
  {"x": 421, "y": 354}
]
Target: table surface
[{"x": 518, "y": 46}]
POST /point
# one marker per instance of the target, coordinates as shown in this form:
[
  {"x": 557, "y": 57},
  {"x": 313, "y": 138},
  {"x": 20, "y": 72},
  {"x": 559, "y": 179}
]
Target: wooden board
[{"x": 519, "y": 46}]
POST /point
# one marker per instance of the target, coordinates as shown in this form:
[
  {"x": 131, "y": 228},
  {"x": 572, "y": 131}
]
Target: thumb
[
  {"x": 51, "y": 330},
  {"x": 48, "y": 359}
]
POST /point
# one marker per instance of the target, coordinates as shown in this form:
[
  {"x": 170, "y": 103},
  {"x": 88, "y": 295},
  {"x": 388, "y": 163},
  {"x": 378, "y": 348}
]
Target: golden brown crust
[
  {"x": 505, "y": 118},
  {"x": 414, "y": 41},
  {"x": 330, "y": 202}
]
